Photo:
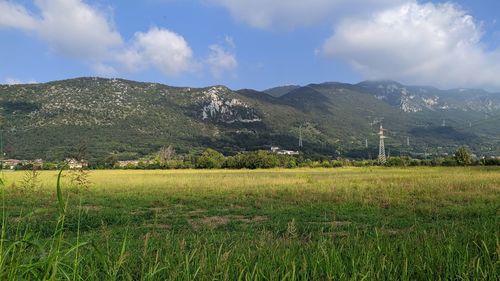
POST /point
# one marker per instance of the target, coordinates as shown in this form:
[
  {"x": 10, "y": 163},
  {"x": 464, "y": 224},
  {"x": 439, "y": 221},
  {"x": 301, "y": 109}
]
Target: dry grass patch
[
  {"x": 197, "y": 212},
  {"x": 209, "y": 222},
  {"x": 213, "y": 222},
  {"x": 158, "y": 226},
  {"x": 246, "y": 219},
  {"x": 339, "y": 223}
]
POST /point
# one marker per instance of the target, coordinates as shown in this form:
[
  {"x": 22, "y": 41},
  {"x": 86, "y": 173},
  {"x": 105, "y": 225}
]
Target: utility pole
[
  {"x": 408, "y": 141},
  {"x": 381, "y": 149}
]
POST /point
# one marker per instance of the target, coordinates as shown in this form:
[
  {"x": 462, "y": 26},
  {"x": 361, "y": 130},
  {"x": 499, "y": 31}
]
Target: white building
[{"x": 279, "y": 151}]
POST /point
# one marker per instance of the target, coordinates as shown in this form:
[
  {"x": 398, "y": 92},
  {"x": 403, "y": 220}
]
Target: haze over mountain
[{"x": 133, "y": 119}]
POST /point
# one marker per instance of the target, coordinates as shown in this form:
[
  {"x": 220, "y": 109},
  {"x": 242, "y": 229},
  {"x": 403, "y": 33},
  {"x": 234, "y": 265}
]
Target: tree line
[{"x": 262, "y": 159}]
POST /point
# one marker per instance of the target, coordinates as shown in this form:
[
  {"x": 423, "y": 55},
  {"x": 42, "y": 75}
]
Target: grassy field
[{"x": 303, "y": 224}]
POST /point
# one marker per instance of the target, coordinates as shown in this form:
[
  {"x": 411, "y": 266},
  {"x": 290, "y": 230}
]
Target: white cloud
[
  {"x": 77, "y": 30},
  {"x": 15, "y": 16},
  {"x": 104, "y": 69},
  {"x": 221, "y": 60},
  {"x": 437, "y": 44},
  {"x": 69, "y": 27},
  {"x": 288, "y": 14},
  {"x": 159, "y": 48}
]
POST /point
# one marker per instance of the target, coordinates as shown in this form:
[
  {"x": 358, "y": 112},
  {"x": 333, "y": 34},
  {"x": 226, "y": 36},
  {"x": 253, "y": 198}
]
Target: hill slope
[{"x": 132, "y": 119}]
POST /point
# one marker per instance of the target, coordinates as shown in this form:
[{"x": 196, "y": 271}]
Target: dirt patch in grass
[
  {"x": 158, "y": 226},
  {"x": 138, "y": 212},
  {"x": 260, "y": 218},
  {"x": 252, "y": 219},
  {"x": 209, "y": 222},
  {"x": 247, "y": 219},
  {"x": 337, "y": 234},
  {"x": 339, "y": 223},
  {"x": 197, "y": 211},
  {"x": 334, "y": 223},
  {"x": 216, "y": 221},
  {"x": 392, "y": 232},
  {"x": 158, "y": 209},
  {"x": 235, "y": 206}
]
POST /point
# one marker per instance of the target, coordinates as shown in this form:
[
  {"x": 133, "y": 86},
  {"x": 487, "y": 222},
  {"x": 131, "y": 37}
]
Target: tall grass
[{"x": 349, "y": 225}]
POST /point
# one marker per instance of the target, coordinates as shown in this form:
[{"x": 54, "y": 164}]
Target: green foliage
[
  {"x": 210, "y": 159},
  {"x": 132, "y": 120},
  {"x": 463, "y": 156}
]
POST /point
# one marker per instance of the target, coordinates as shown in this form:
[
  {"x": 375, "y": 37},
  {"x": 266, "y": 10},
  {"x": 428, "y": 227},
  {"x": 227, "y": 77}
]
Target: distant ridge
[{"x": 129, "y": 120}]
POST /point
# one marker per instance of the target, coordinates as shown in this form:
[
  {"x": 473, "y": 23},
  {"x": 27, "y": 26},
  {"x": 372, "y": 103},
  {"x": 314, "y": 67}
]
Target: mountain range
[{"x": 133, "y": 119}]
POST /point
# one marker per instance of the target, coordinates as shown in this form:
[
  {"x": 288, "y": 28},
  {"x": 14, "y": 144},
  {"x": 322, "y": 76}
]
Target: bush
[
  {"x": 463, "y": 156},
  {"x": 210, "y": 159}
]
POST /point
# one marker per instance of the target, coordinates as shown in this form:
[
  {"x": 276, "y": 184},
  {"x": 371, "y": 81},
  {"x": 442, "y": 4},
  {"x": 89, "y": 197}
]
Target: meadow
[{"x": 370, "y": 223}]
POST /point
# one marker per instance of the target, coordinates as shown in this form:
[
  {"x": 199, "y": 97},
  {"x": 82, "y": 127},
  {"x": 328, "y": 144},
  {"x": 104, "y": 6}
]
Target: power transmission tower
[{"x": 381, "y": 149}]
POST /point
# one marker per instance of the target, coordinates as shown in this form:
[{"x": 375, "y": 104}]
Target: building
[
  {"x": 76, "y": 164},
  {"x": 279, "y": 151},
  {"x": 37, "y": 163},
  {"x": 12, "y": 163},
  {"x": 128, "y": 163}
]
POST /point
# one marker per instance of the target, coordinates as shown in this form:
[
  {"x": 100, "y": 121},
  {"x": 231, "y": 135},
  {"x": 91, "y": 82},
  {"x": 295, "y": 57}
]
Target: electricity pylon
[{"x": 381, "y": 149}]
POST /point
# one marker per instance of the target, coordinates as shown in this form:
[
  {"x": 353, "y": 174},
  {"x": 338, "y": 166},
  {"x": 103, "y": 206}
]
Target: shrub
[
  {"x": 210, "y": 159},
  {"x": 463, "y": 156}
]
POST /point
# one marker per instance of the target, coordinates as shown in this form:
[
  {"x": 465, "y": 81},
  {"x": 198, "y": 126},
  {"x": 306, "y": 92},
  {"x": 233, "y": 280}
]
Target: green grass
[{"x": 303, "y": 224}]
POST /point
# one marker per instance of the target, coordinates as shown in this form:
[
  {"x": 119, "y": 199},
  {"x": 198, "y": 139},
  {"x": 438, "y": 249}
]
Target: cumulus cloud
[
  {"x": 160, "y": 48},
  {"x": 437, "y": 44},
  {"x": 69, "y": 27},
  {"x": 280, "y": 14},
  {"x": 221, "y": 59},
  {"x": 78, "y": 30},
  {"x": 13, "y": 15}
]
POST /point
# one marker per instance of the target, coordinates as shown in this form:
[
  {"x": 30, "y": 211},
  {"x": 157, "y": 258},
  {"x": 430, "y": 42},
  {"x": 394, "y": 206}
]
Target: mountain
[
  {"x": 132, "y": 119},
  {"x": 281, "y": 91},
  {"x": 418, "y": 98}
]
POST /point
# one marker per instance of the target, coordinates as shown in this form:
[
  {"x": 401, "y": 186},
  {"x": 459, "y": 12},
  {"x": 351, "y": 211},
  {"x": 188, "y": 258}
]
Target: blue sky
[{"x": 252, "y": 43}]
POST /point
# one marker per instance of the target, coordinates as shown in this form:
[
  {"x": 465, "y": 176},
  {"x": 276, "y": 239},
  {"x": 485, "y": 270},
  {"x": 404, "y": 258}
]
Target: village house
[
  {"x": 76, "y": 164},
  {"x": 37, "y": 163},
  {"x": 128, "y": 163},
  {"x": 12, "y": 163},
  {"x": 279, "y": 151}
]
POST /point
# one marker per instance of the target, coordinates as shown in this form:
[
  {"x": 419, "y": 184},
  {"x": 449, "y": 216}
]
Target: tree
[
  {"x": 166, "y": 153},
  {"x": 210, "y": 159},
  {"x": 463, "y": 156}
]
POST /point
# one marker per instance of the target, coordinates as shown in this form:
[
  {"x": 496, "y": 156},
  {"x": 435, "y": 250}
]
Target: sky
[{"x": 254, "y": 44}]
